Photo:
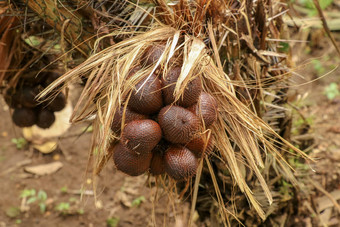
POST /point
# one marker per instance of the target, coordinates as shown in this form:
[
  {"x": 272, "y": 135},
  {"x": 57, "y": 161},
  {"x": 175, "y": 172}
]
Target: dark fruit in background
[
  {"x": 24, "y": 117},
  {"x": 32, "y": 78},
  {"x": 12, "y": 98},
  {"x": 206, "y": 108},
  {"x": 57, "y": 103},
  {"x": 51, "y": 77},
  {"x": 191, "y": 92},
  {"x": 129, "y": 162},
  {"x": 28, "y": 95},
  {"x": 148, "y": 100},
  {"x": 178, "y": 124},
  {"x": 45, "y": 118},
  {"x": 129, "y": 116},
  {"x": 180, "y": 163},
  {"x": 141, "y": 136},
  {"x": 152, "y": 54}
]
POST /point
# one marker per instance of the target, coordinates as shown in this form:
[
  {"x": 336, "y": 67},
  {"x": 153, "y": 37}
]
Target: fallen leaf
[{"x": 44, "y": 169}]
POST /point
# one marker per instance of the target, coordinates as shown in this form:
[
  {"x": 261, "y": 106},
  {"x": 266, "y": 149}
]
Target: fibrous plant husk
[{"x": 232, "y": 46}]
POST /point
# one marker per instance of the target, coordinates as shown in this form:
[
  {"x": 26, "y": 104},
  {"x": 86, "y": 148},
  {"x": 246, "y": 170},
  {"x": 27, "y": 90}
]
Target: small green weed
[
  {"x": 137, "y": 201},
  {"x": 112, "y": 222},
  {"x": 63, "y": 208},
  {"x": 20, "y": 143},
  {"x": 332, "y": 91},
  {"x": 30, "y": 196}
]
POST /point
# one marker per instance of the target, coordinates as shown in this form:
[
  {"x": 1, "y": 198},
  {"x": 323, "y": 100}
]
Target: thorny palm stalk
[{"x": 225, "y": 43}]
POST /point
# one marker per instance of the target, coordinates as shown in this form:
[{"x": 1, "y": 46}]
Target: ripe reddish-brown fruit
[
  {"x": 191, "y": 92},
  {"x": 152, "y": 54},
  {"x": 147, "y": 98},
  {"x": 130, "y": 162},
  {"x": 180, "y": 163},
  {"x": 129, "y": 116},
  {"x": 157, "y": 166},
  {"x": 178, "y": 124},
  {"x": 58, "y": 103},
  {"x": 24, "y": 117},
  {"x": 141, "y": 136},
  {"x": 206, "y": 108},
  {"x": 200, "y": 146},
  {"x": 45, "y": 118}
]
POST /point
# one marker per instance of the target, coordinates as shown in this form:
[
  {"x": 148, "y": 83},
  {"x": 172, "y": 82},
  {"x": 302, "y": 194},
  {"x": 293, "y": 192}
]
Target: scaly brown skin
[
  {"x": 152, "y": 54},
  {"x": 129, "y": 162},
  {"x": 147, "y": 97},
  {"x": 200, "y": 146},
  {"x": 180, "y": 163},
  {"x": 191, "y": 92},
  {"x": 141, "y": 136},
  {"x": 178, "y": 124},
  {"x": 205, "y": 108},
  {"x": 129, "y": 116},
  {"x": 157, "y": 166}
]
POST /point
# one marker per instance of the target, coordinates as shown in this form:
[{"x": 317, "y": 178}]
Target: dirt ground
[{"x": 127, "y": 200}]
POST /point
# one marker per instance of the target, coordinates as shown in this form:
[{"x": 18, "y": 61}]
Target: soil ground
[{"x": 128, "y": 200}]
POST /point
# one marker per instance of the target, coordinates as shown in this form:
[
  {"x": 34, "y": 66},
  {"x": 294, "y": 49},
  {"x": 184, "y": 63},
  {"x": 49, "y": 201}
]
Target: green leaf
[
  {"x": 80, "y": 211},
  {"x": 62, "y": 207},
  {"x": 136, "y": 202},
  {"x": 42, "y": 196},
  {"x": 32, "y": 200},
  {"x": 19, "y": 142},
  {"x": 33, "y": 41},
  {"x": 42, "y": 207},
  {"x": 284, "y": 47},
  {"x": 27, "y": 192},
  {"x": 332, "y": 91},
  {"x": 64, "y": 189},
  {"x": 112, "y": 222}
]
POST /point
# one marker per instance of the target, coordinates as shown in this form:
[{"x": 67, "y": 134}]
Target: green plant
[
  {"x": 63, "y": 208},
  {"x": 318, "y": 67},
  {"x": 332, "y": 91},
  {"x": 64, "y": 189},
  {"x": 286, "y": 190},
  {"x": 19, "y": 142},
  {"x": 30, "y": 196},
  {"x": 112, "y": 222},
  {"x": 136, "y": 202},
  {"x": 309, "y": 5}
]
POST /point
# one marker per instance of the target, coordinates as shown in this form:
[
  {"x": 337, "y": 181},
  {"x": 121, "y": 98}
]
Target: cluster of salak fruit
[{"x": 161, "y": 135}]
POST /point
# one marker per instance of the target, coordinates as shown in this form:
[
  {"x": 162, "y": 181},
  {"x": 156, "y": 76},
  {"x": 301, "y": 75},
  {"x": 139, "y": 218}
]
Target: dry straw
[{"x": 238, "y": 132}]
